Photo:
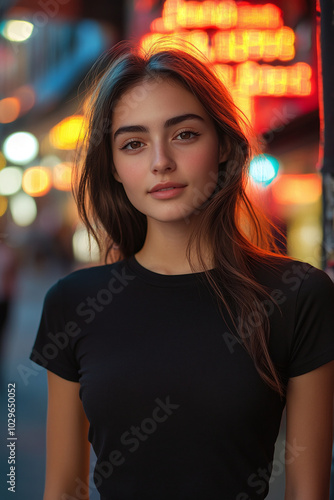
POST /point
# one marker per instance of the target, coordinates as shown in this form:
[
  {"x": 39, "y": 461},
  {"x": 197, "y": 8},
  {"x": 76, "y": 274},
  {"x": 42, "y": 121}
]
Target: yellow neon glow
[
  {"x": 68, "y": 132},
  {"x": 256, "y": 79},
  {"x": 225, "y": 73},
  {"x": 244, "y": 102},
  {"x": 304, "y": 236},
  {"x": 259, "y": 16},
  {"x": 62, "y": 176},
  {"x": 243, "y": 34},
  {"x": 222, "y": 15},
  {"x": 298, "y": 189},
  {"x": 239, "y": 45},
  {"x": 36, "y": 181},
  {"x": 244, "y": 44},
  {"x": 178, "y": 14}
]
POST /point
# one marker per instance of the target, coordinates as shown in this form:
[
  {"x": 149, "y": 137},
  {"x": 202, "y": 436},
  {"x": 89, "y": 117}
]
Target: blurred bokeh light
[
  {"x": 23, "y": 209},
  {"x": 10, "y": 180},
  {"x": 37, "y": 181},
  {"x": 21, "y": 147},
  {"x": 62, "y": 176},
  {"x": 263, "y": 169},
  {"x": 301, "y": 189},
  {"x": 67, "y": 133},
  {"x": 17, "y": 30},
  {"x": 2, "y": 160},
  {"x": 9, "y": 109},
  {"x": 85, "y": 249},
  {"x": 3, "y": 205}
]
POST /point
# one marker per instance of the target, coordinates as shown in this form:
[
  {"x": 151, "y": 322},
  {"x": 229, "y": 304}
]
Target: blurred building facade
[{"x": 265, "y": 52}]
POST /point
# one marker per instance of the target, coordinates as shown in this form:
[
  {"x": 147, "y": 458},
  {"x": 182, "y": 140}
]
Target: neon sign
[
  {"x": 179, "y": 14},
  {"x": 238, "y": 45},
  {"x": 241, "y": 40}
]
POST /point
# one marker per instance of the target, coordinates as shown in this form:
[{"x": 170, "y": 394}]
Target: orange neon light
[
  {"x": 243, "y": 34},
  {"x": 192, "y": 15},
  {"x": 178, "y": 14},
  {"x": 243, "y": 45},
  {"x": 234, "y": 46},
  {"x": 37, "y": 181},
  {"x": 9, "y": 109},
  {"x": 263, "y": 79},
  {"x": 225, "y": 73},
  {"x": 259, "y": 16},
  {"x": 290, "y": 189}
]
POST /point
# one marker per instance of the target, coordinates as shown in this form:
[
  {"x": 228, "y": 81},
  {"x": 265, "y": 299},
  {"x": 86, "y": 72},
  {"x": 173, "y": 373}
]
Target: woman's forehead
[{"x": 158, "y": 97}]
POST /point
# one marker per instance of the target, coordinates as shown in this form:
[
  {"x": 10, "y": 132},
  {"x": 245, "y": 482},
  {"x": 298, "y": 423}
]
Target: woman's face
[{"x": 161, "y": 133}]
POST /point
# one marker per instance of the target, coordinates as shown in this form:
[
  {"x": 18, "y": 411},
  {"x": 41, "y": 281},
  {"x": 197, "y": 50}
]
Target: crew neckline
[{"x": 163, "y": 279}]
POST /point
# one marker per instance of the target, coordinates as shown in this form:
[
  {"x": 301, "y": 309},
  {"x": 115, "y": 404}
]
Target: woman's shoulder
[
  {"x": 88, "y": 280},
  {"x": 288, "y": 274}
]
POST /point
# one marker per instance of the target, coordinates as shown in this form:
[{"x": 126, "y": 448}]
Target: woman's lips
[{"x": 166, "y": 193}]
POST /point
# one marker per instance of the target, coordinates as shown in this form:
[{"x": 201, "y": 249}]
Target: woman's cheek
[{"x": 129, "y": 173}]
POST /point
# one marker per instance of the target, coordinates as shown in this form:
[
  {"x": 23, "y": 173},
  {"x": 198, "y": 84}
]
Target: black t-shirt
[{"x": 175, "y": 404}]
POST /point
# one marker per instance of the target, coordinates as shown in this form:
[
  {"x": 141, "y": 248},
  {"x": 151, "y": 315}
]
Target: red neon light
[
  {"x": 142, "y": 5},
  {"x": 243, "y": 34}
]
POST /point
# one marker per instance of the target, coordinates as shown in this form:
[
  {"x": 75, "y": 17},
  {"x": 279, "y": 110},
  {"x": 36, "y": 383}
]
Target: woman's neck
[{"x": 164, "y": 250}]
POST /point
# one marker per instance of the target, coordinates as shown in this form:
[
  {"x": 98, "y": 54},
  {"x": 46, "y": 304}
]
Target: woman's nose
[{"x": 162, "y": 159}]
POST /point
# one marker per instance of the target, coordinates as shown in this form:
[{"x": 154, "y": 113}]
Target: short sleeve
[
  {"x": 53, "y": 344},
  {"x": 313, "y": 340}
]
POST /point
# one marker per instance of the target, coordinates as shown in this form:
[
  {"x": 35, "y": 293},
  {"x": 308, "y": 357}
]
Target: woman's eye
[
  {"x": 132, "y": 145},
  {"x": 187, "y": 134}
]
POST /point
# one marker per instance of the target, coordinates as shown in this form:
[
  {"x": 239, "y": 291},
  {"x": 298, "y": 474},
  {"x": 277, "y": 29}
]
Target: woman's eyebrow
[
  {"x": 169, "y": 123},
  {"x": 182, "y": 118},
  {"x": 130, "y": 128}
]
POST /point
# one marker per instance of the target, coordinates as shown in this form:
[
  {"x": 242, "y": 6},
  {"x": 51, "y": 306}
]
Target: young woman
[{"x": 177, "y": 359}]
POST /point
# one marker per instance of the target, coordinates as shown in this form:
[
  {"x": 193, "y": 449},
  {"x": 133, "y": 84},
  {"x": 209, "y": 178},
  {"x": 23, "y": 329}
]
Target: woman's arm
[
  {"x": 309, "y": 437},
  {"x": 67, "y": 446}
]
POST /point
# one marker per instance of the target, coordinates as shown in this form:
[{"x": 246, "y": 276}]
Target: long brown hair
[{"x": 233, "y": 228}]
